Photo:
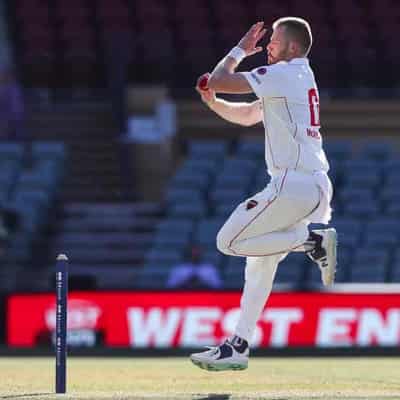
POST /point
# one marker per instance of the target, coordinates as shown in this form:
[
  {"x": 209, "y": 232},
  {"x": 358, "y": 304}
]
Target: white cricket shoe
[
  {"x": 324, "y": 253},
  {"x": 224, "y": 357}
]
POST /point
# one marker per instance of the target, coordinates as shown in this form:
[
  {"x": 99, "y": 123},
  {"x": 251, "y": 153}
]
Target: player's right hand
[
  {"x": 207, "y": 94},
  {"x": 249, "y": 41}
]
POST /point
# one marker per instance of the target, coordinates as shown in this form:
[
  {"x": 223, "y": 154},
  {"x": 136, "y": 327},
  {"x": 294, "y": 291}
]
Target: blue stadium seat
[
  {"x": 334, "y": 174},
  {"x": 347, "y": 224},
  {"x": 261, "y": 181},
  {"x": 164, "y": 255},
  {"x": 78, "y": 240},
  {"x": 208, "y": 148},
  {"x": 355, "y": 194},
  {"x": 370, "y": 256},
  {"x": 361, "y": 273},
  {"x": 225, "y": 209},
  {"x": 366, "y": 209},
  {"x": 233, "y": 282},
  {"x": 11, "y": 151},
  {"x": 38, "y": 198},
  {"x": 391, "y": 165},
  {"x": 376, "y": 150},
  {"x": 44, "y": 174},
  {"x": 390, "y": 194},
  {"x": 32, "y": 216},
  {"x": 337, "y": 149},
  {"x": 349, "y": 239},
  {"x": 392, "y": 209},
  {"x": 8, "y": 175},
  {"x": 177, "y": 240},
  {"x": 49, "y": 151},
  {"x": 234, "y": 273},
  {"x": 152, "y": 276},
  {"x": 20, "y": 249},
  {"x": 173, "y": 225},
  {"x": 228, "y": 195},
  {"x": 214, "y": 257},
  {"x": 369, "y": 265},
  {"x": 361, "y": 166},
  {"x": 239, "y": 166},
  {"x": 392, "y": 179},
  {"x": 196, "y": 180},
  {"x": 362, "y": 179},
  {"x": 251, "y": 149},
  {"x": 228, "y": 180},
  {"x": 262, "y": 174},
  {"x": 397, "y": 255},
  {"x": 291, "y": 270},
  {"x": 204, "y": 165},
  {"x": 188, "y": 210},
  {"x": 394, "y": 275},
  {"x": 206, "y": 231},
  {"x": 105, "y": 257},
  {"x": 385, "y": 240},
  {"x": 182, "y": 194},
  {"x": 383, "y": 225}
]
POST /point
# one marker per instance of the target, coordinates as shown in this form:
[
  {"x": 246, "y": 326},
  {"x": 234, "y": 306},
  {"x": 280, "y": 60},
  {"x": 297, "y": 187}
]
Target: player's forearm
[
  {"x": 224, "y": 68},
  {"x": 224, "y": 79},
  {"x": 237, "y": 113}
]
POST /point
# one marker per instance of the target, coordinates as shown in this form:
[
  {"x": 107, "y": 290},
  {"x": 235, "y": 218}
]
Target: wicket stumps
[{"x": 61, "y": 322}]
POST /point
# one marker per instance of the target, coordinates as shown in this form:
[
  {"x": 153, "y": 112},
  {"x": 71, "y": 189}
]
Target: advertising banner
[{"x": 195, "y": 319}]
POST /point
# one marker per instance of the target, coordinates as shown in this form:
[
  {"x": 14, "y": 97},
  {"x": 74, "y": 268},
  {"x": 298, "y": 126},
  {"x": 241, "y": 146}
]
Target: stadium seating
[
  {"x": 64, "y": 43},
  {"x": 363, "y": 215},
  {"x": 30, "y": 189}
]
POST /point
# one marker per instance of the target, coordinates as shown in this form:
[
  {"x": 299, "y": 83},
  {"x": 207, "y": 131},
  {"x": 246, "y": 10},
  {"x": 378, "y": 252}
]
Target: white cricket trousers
[{"x": 265, "y": 228}]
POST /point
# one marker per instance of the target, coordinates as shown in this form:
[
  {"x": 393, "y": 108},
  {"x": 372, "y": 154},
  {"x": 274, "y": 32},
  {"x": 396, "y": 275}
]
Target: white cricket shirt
[{"x": 290, "y": 102}]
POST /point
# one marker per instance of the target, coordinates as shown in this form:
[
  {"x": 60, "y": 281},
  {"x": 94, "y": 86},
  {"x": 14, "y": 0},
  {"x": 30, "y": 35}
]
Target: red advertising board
[{"x": 194, "y": 319}]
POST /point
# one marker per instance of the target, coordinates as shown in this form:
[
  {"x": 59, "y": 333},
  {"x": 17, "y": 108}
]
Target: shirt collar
[{"x": 299, "y": 60}]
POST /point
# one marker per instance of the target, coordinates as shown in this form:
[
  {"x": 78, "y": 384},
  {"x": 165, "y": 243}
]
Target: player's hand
[
  {"x": 207, "y": 94},
  {"x": 249, "y": 41}
]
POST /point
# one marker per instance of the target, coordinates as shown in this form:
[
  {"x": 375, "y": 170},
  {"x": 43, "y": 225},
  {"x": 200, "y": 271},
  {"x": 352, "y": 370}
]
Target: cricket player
[{"x": 274, "y": 222}]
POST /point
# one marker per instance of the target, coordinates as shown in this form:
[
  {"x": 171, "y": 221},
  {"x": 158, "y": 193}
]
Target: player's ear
[{"x": 294, "y": 47}]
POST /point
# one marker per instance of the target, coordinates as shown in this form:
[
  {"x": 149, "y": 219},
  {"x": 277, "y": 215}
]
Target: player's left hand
[{"x": 249, "y": 41}]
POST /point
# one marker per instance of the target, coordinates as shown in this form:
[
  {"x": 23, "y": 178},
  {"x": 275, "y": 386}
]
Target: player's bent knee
[{"x": 223, "y": 243}]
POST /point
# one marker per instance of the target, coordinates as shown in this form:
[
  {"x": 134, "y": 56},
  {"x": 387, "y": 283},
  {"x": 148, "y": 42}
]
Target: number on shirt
[{"x": 313, "y": 101}]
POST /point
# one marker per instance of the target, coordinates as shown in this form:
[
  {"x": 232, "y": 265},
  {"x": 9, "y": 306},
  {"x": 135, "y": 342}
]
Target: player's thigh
[
  {"x": 269, "y": 211},
  {"x": 245, "y": 213}
]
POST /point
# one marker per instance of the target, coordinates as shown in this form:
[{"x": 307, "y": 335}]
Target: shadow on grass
[
  {"x": 25, "y": 395},
  {"x": 212, "y": 396}
]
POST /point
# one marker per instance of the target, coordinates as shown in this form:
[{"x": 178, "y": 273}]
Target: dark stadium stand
[{"x": 64, "y": 43}]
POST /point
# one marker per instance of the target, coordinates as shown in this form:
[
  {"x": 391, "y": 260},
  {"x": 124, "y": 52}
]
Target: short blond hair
[{"x": 298, "y": 30}]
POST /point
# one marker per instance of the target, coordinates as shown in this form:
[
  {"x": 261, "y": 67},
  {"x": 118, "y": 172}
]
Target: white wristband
[{"x": 237, "y": 54}]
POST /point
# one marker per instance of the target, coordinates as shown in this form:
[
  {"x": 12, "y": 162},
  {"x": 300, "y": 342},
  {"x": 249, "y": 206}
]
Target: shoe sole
[
  {"x": 329, "y": 273},
  {"x": 218, "y": 367}
]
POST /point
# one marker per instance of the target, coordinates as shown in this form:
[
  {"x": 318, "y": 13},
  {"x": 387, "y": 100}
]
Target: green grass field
[{"x": 177, "y": 378}]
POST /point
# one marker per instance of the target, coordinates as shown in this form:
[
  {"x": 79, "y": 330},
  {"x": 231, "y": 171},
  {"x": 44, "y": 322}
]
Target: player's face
[{"x": 278, "y": 46}]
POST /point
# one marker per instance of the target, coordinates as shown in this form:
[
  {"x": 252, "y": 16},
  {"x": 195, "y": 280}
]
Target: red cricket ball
[{"x": 203, "y": 83}]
